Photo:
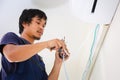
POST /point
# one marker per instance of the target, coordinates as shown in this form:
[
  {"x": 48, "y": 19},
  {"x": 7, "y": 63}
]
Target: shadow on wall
[{"x": 49, "y": 3}]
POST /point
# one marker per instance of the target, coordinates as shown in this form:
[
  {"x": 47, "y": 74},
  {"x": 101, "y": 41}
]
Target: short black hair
[{"x": 28, "y": 14}]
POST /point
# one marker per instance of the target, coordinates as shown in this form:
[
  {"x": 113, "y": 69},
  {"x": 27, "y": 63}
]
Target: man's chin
[{"x": 37, "y": 38}]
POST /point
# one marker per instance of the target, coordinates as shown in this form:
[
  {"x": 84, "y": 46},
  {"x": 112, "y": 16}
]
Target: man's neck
[{"x": 27, "y": 38}]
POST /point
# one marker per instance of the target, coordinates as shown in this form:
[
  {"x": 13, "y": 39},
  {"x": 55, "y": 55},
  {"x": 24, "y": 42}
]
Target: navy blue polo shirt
[{"x": 31, "y": 69}]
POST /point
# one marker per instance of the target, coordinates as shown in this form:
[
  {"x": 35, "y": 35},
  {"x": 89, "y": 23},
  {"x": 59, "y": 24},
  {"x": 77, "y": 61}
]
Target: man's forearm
[
  {"x": 20, "y": 52},
  {"x": 54, "y": 74}
]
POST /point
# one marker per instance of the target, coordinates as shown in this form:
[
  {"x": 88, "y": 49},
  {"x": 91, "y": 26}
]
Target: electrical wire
[
  {"x": 91, "y": 53},
  {"x": 90, "y": 57},
  {"x": 66, "y": 75}
]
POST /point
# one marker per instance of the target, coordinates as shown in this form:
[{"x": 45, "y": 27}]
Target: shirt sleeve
[{"x": 9, "y": 38}]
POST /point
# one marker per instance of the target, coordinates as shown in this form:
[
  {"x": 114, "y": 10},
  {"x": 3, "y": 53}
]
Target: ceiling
[{"x": 49, "y": 3}]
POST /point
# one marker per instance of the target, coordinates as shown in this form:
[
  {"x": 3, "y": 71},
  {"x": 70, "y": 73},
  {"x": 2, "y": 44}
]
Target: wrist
[
  {"x": 58, "y": 63},
  {"x": 46, "y": 44}
]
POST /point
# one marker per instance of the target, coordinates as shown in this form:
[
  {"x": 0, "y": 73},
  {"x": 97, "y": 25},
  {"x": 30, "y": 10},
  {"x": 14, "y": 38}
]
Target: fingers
[
  {"x": 56, "y": 44},
  {"x": 60, "y": 47},
  {"x": 63, "y": 54},
  {"x": 65, "y": 50}
]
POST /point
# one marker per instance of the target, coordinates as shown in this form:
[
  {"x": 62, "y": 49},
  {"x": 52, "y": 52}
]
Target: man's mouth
[{"x": 40, "y": 32}]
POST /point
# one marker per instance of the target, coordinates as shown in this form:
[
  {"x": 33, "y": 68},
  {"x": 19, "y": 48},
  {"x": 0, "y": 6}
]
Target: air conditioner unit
[{"x": 95, "y": 11}]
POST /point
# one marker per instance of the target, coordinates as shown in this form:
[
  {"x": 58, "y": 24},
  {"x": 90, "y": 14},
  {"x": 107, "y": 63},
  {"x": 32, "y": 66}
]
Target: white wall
[{"x": 107, "y": 66}]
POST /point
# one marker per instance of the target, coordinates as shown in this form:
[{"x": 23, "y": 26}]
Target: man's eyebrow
[{"x": 39, "y": 19}]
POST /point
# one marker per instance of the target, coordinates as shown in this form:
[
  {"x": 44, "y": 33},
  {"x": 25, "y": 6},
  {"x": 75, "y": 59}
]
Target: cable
[
  {"x": 91, "y": 52},
  {"x": 67, "y": 78},
  {"x": 90, "y": 57}
]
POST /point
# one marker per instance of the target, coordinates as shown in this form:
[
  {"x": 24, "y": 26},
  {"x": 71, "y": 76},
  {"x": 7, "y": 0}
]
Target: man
[{"x": 20, "y": 60}]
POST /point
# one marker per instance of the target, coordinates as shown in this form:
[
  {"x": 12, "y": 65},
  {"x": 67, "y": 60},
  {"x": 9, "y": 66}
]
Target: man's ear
[{"x": 24, "y": 24}]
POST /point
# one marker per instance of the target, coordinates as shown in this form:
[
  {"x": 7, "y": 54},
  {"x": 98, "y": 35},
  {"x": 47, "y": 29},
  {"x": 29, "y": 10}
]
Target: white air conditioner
[{"x": 95, "y": 11}]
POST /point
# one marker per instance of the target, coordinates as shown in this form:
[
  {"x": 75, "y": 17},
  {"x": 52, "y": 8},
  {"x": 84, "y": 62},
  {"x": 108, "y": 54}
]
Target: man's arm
[
  {"x": 18, "y": 53},
  {"x": 54, "y": 74}
]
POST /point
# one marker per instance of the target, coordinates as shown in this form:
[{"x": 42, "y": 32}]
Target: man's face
[{"x": 35, "y": 28}]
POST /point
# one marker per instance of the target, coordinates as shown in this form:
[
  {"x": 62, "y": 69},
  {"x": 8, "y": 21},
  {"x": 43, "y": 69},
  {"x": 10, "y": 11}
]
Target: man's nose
[{"x": 41, "y": 27}]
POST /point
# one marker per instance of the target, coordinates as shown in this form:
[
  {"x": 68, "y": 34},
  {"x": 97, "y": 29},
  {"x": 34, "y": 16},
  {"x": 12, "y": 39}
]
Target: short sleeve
[{"x": 9, "y": 38}]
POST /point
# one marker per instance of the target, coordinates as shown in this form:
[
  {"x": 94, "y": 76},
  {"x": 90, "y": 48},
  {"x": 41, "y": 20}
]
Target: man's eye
[{"x": 38, "y": 22}]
